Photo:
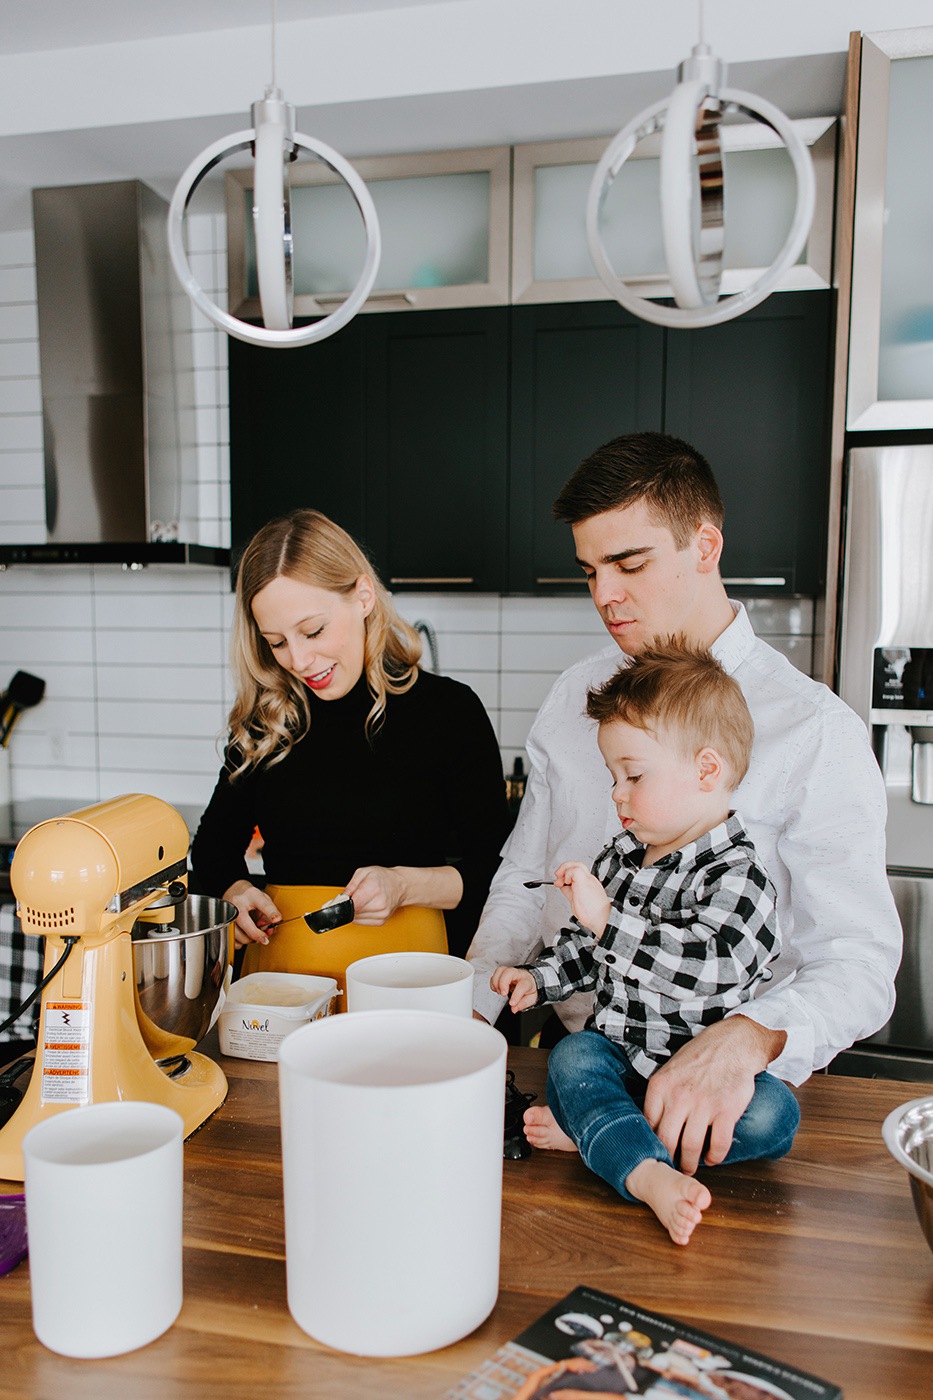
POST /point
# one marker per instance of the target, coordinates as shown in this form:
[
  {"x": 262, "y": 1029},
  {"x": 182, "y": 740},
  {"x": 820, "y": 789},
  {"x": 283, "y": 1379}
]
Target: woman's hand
[
  {"x": 518, "y": 985},
  {"x": 256, "y": 914},
  {"x": 377, "y": 891},
  {"x": 588, "y": 899}
]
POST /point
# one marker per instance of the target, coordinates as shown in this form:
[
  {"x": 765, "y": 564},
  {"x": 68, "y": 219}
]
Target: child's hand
[
  {"x": 588, "y": 899},
  {"x": 517, "y": 984}
]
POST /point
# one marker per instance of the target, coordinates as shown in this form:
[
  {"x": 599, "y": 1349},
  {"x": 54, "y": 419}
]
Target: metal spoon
[{"x": 536, "y": 884}]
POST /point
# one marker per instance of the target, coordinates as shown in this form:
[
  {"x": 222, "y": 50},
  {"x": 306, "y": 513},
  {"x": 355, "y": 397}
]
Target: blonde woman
[{"x": 363, "y": 773}]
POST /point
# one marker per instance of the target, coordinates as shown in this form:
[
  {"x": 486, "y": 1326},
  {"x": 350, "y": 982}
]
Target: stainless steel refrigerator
[{"x": 886, "y": 675}]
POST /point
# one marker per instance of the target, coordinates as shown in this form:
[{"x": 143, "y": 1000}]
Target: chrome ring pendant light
[
  {"x": 275, "y": 144},
  {"x": 691, "y": 157}
]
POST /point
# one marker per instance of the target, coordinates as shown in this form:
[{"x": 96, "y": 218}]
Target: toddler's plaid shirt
[{"x": 686, "y": 941}]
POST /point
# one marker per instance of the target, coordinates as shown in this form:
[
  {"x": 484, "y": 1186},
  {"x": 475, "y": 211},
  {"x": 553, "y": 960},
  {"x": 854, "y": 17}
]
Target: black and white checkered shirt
[
  {"x": 687, "y": 940},
  {"x": 21, "y": 958}
]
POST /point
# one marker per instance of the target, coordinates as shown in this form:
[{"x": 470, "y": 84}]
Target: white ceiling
[
  {"x": 114, "y": 89},
  {"x": 29, "y": 26}
]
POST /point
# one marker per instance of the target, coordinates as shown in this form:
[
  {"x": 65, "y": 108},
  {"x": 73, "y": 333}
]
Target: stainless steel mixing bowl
[
  {"x": 180, "y": 970},
  {"x": 908, "y": 1134}
]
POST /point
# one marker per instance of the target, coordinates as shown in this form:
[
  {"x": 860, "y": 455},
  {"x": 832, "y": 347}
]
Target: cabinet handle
[
  {"x": 758, "y": 582},
  {"x": 577, "y": 578},
  {"x": 326, "y": 297},
  {"x": 431, "y": 580}
]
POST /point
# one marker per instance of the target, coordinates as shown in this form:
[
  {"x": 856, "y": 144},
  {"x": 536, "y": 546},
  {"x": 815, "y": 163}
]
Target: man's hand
[{"x": 707, "y": 1086}]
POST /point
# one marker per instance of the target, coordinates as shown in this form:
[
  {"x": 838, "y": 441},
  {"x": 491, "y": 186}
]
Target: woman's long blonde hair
[{"x": 272, "y": 710}]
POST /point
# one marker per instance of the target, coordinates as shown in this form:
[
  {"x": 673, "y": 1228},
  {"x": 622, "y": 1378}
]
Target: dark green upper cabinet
[
  {"x": 441, "y": 438},
  {"x": 397, "y": 428},
  {"x": 582, "y": 373},
  {"x": 296, "y": 432},
  {"x": 436, "y": 436},
  {"x": 752, "y": 395}
]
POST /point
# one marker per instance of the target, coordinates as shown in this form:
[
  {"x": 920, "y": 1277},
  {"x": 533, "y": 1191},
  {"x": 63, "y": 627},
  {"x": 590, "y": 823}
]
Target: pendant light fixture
[
  {"x": 691, "y": 165},
  {"x": 275, "y": 144}
]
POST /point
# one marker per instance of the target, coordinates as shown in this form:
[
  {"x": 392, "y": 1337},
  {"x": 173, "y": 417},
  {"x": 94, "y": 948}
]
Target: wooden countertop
[{"x": 817, "y": 1260}]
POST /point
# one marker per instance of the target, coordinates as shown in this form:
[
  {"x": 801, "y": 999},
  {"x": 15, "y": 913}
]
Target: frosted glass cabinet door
[
  {"x": 891, "y": 344},
  {"x": 444, "y": 219},
  {"x": 551, "y": 259}
]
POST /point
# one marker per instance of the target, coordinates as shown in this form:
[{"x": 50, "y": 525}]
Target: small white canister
[{"x": 265, "y": 1007}]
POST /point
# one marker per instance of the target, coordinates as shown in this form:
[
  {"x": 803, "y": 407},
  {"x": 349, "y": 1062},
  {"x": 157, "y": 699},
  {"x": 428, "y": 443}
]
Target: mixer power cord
[{"x": 69, "y": 942}]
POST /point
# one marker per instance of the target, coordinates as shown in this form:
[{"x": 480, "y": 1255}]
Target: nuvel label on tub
[{"x": 262, "y": 1009}]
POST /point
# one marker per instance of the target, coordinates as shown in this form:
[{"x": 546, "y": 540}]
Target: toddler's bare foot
[
  {"x": 541, "y": 1130},
  {"x": 677, "y": 1200}
]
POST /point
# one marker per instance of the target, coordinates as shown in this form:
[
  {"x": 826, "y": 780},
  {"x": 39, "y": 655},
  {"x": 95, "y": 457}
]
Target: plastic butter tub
[{"x": 262, "y": 1009}]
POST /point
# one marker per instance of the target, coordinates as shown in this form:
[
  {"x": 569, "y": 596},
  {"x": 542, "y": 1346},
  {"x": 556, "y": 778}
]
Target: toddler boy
[{"x": 672, "y": 930}]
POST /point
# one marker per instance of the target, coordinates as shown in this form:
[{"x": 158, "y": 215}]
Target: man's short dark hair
[{"x": 675, "y": 482}]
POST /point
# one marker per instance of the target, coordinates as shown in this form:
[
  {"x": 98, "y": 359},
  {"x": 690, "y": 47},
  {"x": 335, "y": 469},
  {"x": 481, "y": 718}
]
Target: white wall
[{"x": 136, "y": 663}]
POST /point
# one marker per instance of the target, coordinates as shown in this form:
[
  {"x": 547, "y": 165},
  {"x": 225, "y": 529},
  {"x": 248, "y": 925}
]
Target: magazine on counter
[{"x": 593, "y": 1344}]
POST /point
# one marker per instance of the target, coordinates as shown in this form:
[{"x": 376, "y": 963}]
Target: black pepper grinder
[{"x": 515, "y": 786}]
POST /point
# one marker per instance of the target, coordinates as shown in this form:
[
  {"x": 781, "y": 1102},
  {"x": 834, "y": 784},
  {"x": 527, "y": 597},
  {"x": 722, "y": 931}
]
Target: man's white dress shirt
[{"x": 814, "y": 804}]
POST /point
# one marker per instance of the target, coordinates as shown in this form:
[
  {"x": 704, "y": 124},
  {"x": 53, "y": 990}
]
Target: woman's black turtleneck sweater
[{"x": 426, "y": 789}]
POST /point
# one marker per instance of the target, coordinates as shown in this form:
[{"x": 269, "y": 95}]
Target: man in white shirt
[{"x": 646, "y": 516}]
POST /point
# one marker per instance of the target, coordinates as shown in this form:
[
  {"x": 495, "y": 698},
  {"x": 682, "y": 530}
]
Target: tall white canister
[{"x": 392, "y": 1128}]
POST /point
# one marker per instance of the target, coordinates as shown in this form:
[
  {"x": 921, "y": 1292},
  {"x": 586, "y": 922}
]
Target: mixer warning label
[{"x": 66, "y": 1052}]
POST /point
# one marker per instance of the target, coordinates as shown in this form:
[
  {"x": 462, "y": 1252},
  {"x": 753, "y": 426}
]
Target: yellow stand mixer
[{"x": 143, "y": 966}]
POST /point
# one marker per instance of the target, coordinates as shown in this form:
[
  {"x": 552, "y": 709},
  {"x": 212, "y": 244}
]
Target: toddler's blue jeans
[{"x": 597, "y": 1099}]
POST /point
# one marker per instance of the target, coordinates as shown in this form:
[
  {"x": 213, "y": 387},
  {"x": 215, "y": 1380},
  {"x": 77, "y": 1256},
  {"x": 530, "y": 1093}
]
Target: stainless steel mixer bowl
[
  {"x": 908, "y": 1134},
  {"x": 180, "y": 973}
]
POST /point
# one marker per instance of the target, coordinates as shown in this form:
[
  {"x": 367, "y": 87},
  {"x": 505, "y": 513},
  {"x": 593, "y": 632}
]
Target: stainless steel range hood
[{"x": 120, "y": 480}]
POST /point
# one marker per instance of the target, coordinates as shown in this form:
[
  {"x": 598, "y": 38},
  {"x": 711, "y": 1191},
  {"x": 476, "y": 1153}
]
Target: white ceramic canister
[
  {"x": 411, "y": 982},
  {"x": 104, "y": 1220},
  {"x": 392, "y": 1160}
]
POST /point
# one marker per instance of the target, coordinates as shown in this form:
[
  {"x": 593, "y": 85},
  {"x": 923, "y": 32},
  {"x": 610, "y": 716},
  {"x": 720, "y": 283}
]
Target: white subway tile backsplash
[
  {"x": 20, "y": 469},
  {"x": 576, "y": 615},
  {"x": 169, "y": 648},
  {"x": 75, "y": 787},
  {"x": 148, "y": 717},
  {"x": 514, "y": 726},
  {"x": 156, "y": 613},
  {"x": 18, "y": 358},
  {"x": 547, "y": 651},
  {"x": 160, "y": 754},
  {"x": 64, "y": 578},
  {"x": 59, "y": 749},
  {"x": 17, "y": 285},
  {"x": 21, "y": 395},
  {"x": 172, "y": 785},
  {"x": 525, "y": 690},
  {"x": 19, "y": 322},
  {"x": 17, "y": 247},
  {"x": 133, "y": 683},
  {"x": 477, "y": 613},
  {"x": 23, "y": 504},
  {"x": 32, "y": 648},
  {"x": 469, "y": 651},
  {"x": 168, "y": 579},
  {"x": 22, "y": 432},
  {"x": 45, "y": 613}
]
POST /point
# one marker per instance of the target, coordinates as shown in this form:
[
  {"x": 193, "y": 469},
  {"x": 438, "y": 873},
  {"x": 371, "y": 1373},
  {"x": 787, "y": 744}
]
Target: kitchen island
[{"x": 816, "y": 1260}]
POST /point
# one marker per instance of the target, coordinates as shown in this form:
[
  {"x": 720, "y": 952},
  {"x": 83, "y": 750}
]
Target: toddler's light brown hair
[{"x": 680, "y": 691}]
